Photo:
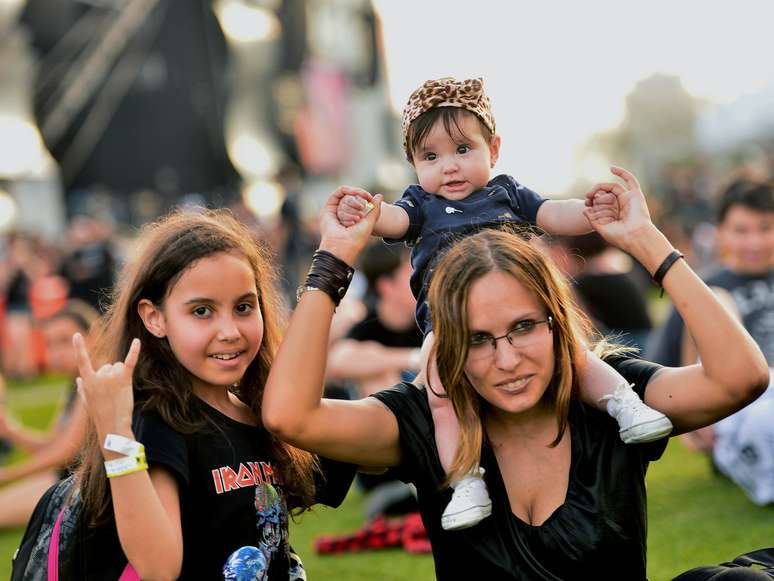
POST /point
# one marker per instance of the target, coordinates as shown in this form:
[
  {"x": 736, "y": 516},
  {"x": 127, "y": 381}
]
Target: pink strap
[
  {"x": 129, "y": 574},
  {"x": 52, "y": 569}
]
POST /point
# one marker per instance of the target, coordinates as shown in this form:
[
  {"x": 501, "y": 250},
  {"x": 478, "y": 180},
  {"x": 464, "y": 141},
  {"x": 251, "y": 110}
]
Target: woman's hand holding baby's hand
[
  {"x": 342, "y": 240},
  {"x": 353, "y": 207},
  {"x": 605, "y": 206},
  {"x": 623, "y": 226}
]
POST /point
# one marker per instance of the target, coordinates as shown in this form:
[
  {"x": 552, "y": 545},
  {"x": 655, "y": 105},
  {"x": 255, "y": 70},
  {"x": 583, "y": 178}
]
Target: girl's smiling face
[{"x": 212, "y": 320}]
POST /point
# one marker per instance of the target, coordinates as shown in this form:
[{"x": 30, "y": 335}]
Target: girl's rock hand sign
[{"x": 107, "y": 392}]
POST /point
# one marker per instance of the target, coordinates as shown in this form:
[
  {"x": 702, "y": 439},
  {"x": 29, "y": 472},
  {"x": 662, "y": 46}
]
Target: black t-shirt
[
  {"x": 232, "y": 508},
  {"x": 614, "y": 301},
  {"x": 753, "y": 296},
  {"x": 371, "y": 328},
  {"x": 600, "y": 530}
]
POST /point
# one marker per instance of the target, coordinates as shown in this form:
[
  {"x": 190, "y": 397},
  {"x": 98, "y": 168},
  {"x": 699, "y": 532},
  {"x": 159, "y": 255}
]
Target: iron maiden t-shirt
[{"x": 232, "y": 506}]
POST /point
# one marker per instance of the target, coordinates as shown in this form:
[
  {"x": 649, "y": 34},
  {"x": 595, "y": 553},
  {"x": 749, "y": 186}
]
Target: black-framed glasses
[{"x": 523, "y": 334}]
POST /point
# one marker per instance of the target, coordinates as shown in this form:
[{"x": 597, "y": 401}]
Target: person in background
[
  {"x": 51, "y": 452},
  {"x": 383, "y": 347},
  {"x": 742, "y": 447},
  {"x": 739, "y": 446},
  {"x": 745, "y": 237},
  {"x": 604, "y": 286},
  {"x": 89, "y": 264},
  {"x": 27, "y": 262}
]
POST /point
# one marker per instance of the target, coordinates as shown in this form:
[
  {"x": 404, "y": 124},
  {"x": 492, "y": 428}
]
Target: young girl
[
  {"x": 449, "y": 138},
  {"x": 207, "y": 492}
]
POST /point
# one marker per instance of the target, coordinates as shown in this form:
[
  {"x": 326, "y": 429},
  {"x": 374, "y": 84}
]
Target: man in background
[
  {"x": 380, "y": 351},
  {"x": 742, "y": 445},
  {"x": 746, "y": 272},
  {"x": 383, "y": 348}
]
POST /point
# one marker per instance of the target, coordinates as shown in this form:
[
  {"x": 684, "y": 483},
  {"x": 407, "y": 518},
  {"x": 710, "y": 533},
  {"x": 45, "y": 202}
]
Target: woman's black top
[{"x": 600, "y": 530}]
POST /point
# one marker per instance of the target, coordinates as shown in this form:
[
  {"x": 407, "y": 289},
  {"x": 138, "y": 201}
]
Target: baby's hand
[
  {"x": 353, "y": 207},
  {"x": 605, "y": 205}
]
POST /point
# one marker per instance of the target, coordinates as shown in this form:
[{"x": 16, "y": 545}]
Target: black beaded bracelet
[
  {"x": 658, "y": 276},
  {"x": 329, "y": 274}
]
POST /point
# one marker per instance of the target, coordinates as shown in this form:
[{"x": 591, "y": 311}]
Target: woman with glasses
[{"x": 568, "y": 497}]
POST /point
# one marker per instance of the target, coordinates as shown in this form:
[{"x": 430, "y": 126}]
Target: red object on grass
[{"x": 406, "y": 532}]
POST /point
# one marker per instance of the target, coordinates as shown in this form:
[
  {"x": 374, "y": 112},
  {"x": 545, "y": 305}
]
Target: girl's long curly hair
[{"x": 161, "y": 384}]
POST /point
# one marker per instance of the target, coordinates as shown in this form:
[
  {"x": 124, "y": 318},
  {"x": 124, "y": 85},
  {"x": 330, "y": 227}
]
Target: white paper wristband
[{"x": 122, "y": 445}]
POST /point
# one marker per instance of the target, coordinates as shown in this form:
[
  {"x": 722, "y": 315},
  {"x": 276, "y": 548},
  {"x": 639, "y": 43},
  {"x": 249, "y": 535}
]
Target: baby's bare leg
[
  {"x": 470, "y": 502},
  {"x": 447, "y": 428},
  {"x": 597, "y": 380}
]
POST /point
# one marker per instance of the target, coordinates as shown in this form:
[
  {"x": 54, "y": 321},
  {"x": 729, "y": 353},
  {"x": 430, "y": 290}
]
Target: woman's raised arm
[
  {"x": 362, "y": 432},
  {"x": 732, "y": 371}
]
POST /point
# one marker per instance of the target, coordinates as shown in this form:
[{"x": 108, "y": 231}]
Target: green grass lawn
[{"x": 695, "y": 517}]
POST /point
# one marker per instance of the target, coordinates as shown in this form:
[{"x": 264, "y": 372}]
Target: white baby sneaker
[
  {"x": 637, "y": 421},
  {"x": 470, "y": 503}
]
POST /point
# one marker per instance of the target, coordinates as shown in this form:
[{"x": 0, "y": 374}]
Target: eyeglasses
[{"x": 524, "y": 334}]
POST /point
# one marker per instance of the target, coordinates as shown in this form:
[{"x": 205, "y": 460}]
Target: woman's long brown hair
[
  {"x": 161, "y": 384},
  {"x": 465, "y": 262}
]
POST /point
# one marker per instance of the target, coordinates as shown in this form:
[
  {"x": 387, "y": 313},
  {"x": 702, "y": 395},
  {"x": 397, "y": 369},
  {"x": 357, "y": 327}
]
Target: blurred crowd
[{"x": 37, "y": 275}]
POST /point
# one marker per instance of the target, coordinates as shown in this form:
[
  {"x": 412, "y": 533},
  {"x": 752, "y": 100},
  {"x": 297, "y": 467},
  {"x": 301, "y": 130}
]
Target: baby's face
[{"x": 454, "y": 166}]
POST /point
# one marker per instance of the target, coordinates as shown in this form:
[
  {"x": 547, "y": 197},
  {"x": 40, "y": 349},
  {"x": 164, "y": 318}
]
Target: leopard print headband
[{"x": 447, "y": 92}]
